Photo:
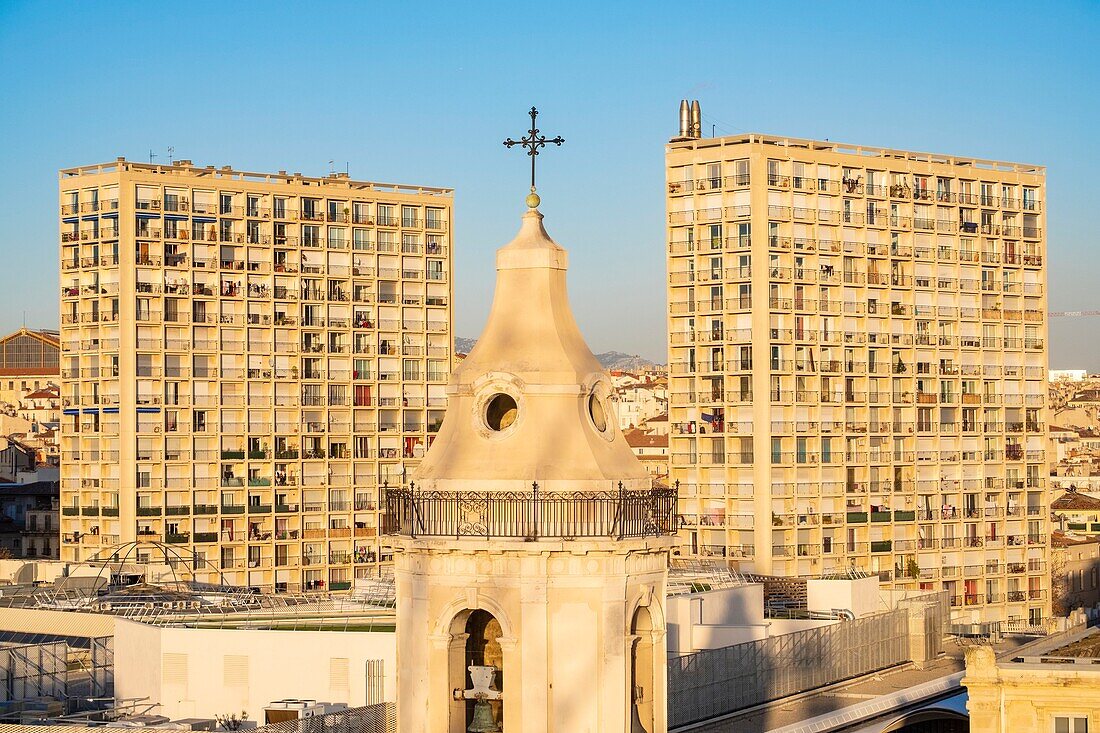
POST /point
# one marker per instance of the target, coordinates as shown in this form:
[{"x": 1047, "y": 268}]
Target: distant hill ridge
[{"x": 609, "y": 359}]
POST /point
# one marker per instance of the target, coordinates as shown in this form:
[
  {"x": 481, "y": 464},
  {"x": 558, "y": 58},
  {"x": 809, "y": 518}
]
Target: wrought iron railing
[{"x": 531, "y": 515}]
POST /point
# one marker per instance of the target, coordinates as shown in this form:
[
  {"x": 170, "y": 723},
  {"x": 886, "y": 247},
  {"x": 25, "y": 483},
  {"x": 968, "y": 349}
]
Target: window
[
  {"x": 386, "y": 215},
  {"x": 1071, "y": 724},
  {"x": 777, "y": 450},
  {"x": 434, "y": 218},
  {"x": 311, "y": 235}
]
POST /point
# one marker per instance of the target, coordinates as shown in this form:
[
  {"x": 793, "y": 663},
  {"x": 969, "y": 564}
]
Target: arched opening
[
  {"x": 481, "y": 633},
  {"x": 641, "y": 673},
  {"x": 930, "y": 721}
]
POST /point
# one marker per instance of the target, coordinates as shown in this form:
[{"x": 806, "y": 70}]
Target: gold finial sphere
[{"x": 533, "y": 200}]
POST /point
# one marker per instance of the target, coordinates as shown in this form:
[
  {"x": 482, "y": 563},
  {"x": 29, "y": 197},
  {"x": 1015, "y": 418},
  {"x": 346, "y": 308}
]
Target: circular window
[
  {"x": 500, "y": 412},
  {"x": 596, "y": 412}
]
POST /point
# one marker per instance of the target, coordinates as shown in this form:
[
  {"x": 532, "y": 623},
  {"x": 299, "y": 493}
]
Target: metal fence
[
  {"x": 719, "y": 681},
  {"x": 34, "y": 671},
  {"x": 381, "y": 718},
  {"x": 531, "y": 515}
]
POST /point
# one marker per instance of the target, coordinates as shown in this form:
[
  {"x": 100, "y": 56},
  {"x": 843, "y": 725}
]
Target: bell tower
[{"x": 531, "y": 549}]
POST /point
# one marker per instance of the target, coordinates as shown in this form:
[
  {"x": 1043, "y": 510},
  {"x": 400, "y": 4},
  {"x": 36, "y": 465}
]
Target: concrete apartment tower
[
  {"x": 531, "y": 542},
  {"x": 858, "y": 356},
  {"x": 246, "y": 359}
]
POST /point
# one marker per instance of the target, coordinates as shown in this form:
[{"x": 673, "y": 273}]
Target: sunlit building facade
[
  {"x": 858, "y": 356},
  {"x": 247, "y": 359}
]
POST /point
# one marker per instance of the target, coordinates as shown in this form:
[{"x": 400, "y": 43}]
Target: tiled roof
[
  {"x": 1061, "y": 539},
  {"x": 49, "y": 393},
  {"x": 638, "y": 439},
  {"x": 1074, "y": 501}
]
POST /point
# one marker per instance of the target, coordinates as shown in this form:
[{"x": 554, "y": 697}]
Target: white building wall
[
  {"x": 858, "y": 595},
  {"x": 205, "y": 672}
]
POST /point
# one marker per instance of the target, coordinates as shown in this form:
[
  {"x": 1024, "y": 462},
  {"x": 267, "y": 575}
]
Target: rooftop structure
[{"x": 1052, "y": 686}]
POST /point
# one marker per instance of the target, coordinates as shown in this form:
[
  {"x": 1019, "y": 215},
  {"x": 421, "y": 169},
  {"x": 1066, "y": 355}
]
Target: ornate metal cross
[{"x": 533, "y": 142}]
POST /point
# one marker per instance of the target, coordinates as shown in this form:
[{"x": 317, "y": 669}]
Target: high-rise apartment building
[
  {"x": 857, "y": 354},
  {"x": 247, "y": 359}
]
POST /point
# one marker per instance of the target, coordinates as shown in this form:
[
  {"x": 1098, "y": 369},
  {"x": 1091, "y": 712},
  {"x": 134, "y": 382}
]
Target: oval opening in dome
[
  {"x": 500, "y": 412},
  {"x": 597, "y": 413}
]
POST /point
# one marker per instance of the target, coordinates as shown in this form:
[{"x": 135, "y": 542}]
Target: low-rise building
[
  {"x": 28, "y": 363},
  {"x": 1077, "y": 512},
  {"x": 1052, "y": 687},
  {"x": 29, "y": 519},
  {"x": 639, "y": 400},
  {"x": 41, "y": 531},
  {"x": 657, "y": 425},
  {"x": 42, "y": 406},
  {"x": 1075, "y": 571},
  {"x": 651, "y": 449},
  {"x": 1067, "y": 375},
  {"x": 15, "y": 458}
]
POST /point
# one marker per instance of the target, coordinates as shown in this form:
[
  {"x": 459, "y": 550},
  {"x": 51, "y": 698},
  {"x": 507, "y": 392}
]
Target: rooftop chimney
[{"x": 690, "y": 121}]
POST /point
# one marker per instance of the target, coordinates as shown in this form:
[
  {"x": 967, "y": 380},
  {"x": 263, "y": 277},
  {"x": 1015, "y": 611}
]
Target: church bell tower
[{"x": 531, "y": 549}]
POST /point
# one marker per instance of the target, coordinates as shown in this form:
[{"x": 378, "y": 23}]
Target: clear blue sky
[{"x": 425, "y": 93}]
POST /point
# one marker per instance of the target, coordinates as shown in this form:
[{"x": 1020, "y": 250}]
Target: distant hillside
[
  {"x": 609, "y": 359},
  {"x": 463, "y": 346},
  {"x": 625, "y": 362}
]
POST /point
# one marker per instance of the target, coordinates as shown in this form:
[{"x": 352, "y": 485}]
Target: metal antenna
[
  {"x": 152, "y": 155},
  {"x": 171, "y": 150}
]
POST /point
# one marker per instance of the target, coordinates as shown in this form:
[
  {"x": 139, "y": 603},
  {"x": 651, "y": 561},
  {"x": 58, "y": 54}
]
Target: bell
[{"x": 483, "y": 721}]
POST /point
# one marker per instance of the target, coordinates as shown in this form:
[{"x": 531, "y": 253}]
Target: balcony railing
[{"x": 531, "y": 515}]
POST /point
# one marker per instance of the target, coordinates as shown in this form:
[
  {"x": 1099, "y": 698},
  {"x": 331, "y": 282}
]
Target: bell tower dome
[
  {"x": 531, "y": 547},
  {"x": 530, "y": 402}
]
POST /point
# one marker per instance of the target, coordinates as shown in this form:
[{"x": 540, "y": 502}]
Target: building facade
[
  {"x": 1054, "y": 687},
  {"x": 858, "y": 355},
  {"x": 246, "y": 360},
  {"x": 28, "y": 363}
]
